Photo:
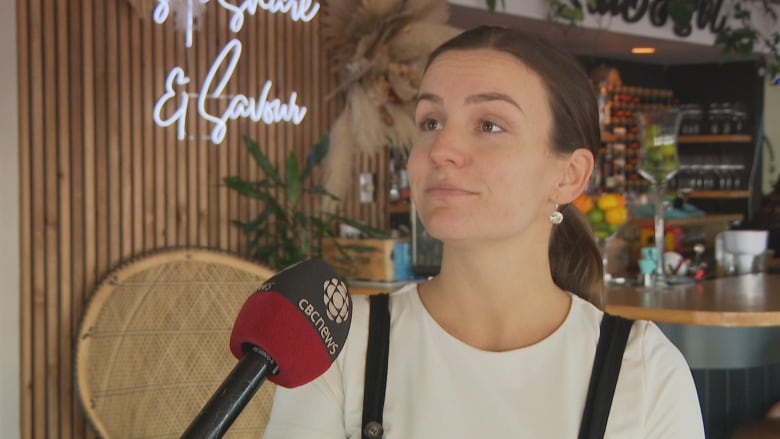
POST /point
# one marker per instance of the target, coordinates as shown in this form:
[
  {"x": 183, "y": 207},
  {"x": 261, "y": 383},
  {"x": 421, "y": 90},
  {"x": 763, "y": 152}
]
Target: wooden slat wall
[{"x": 101, "y": 183}]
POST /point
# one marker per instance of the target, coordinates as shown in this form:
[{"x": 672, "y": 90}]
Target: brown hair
[{"x": 575, "y": 261}]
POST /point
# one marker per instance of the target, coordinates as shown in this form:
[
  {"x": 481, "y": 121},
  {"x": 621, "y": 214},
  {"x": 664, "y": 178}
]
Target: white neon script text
[
  {"x": 259, "y": 108},
  {"x": 298, "y": 10},
  {"x": 240, "y": 106}
]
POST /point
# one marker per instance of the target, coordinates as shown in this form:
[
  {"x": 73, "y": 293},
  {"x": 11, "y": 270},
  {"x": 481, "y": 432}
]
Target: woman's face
[{"x": 481, "y": 167}]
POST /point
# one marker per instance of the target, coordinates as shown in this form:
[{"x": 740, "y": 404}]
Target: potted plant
[{"x": 284, "y": 232}]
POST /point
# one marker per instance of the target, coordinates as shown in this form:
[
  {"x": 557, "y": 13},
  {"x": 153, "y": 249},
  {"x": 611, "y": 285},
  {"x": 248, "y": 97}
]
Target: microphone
[{"x": 289, "y": 331}]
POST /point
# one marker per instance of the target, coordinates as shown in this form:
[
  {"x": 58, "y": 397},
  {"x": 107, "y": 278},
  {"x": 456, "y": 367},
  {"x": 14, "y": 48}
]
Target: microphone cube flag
[{"x": 300, "y": 317}]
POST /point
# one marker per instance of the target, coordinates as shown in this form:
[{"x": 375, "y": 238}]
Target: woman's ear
[{"x": 576, "y": 175}]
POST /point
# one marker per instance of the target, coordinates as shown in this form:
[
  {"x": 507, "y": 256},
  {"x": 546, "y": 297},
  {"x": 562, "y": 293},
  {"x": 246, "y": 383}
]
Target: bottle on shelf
[{"x": 395, "y": 194}]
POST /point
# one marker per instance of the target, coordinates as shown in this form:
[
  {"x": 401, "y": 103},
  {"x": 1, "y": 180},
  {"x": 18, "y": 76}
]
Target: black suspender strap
[
  {"x": 376, "y": 366},
  {"x": 603, "y": 378}
]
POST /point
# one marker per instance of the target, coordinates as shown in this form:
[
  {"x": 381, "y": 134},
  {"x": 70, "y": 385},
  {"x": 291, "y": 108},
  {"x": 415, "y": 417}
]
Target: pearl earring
[{"x": 556, "y": 217}]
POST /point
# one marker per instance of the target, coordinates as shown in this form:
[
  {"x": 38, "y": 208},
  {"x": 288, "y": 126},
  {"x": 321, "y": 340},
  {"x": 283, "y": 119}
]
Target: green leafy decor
[
  {"x": 284, "y": 232},
  {"x": 743, "y": 39}
]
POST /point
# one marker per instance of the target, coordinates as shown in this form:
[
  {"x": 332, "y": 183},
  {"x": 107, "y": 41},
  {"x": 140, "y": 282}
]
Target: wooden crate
[{"x": 368, "y": 259}]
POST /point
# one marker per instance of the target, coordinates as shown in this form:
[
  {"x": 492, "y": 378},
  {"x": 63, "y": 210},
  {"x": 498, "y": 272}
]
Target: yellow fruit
[
  {"x": 583, "y": 203},
  {"x": 608, "y": 201},
  {"x": 616, "y": 216}
]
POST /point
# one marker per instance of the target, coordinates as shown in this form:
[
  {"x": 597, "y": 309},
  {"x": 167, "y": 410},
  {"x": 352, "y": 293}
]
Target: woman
[{"x": 501, "y": 343}]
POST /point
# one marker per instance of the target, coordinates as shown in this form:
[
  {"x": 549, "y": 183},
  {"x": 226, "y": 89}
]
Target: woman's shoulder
[
  {"x": 400, "y": 302},
  {"x": 646, "y": 341}
]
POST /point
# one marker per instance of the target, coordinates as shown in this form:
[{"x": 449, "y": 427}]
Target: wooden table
[{"x": 751, "y": 300}]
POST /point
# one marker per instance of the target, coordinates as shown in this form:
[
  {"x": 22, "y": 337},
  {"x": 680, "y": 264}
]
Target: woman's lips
[{"x": 448, "y": 190}]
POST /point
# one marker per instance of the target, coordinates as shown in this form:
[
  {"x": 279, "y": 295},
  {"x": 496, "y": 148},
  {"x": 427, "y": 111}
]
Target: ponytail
[{"x": 575, "y": 260}]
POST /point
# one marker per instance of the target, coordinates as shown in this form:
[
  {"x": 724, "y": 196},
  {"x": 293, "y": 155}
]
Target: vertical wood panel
[
  {"x": 138, "y": 110},
  {"x": 113, "y": 133},
  {"x": 40, "y": 411},
  {"x": 125, "y": 148},
  {"x": 158, "y": 159},
  {"x": 27, "y": 410},
  {"x": 64, "y": 259},
  {"x": 147, "y": 65},
  {"x": 51, "y": 219},
  {"x": 76, "y": 159},
  {"x": 89, "y": 228},
  {"x": 100, "y": 183}
]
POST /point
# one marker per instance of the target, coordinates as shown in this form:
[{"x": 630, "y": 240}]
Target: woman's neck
[{"x": 495, "y": 305}]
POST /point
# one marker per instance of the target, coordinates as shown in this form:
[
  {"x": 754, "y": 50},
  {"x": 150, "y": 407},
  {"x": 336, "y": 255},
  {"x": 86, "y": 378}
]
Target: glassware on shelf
[{"x": 658, "y": 163}]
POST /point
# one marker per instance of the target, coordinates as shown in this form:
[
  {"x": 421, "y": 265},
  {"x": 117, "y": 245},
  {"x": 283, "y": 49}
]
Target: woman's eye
[
  {"x": 487, "y": 126},
  {"x": 429, "y": 124}
]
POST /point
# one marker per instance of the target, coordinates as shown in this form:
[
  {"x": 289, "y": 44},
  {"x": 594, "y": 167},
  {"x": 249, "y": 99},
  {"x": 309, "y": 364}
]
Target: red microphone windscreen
[{"x": 300, "y": 317}]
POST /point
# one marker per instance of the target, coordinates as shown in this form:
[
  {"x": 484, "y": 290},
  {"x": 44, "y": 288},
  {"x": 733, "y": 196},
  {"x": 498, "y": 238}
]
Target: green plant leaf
[
  {"x": 304, "y": 242},
  {"x": 267, "y": 255},
  {"x": 245, "y": 188},
  {"x": 250, "y": 190},
  {"x": 293, "y": 182},
  {"x": 323, "y": 227},
  {"x": 258, "y": 221},
  {"x": 256, "y": 241},
  {"x": 262, "y": 160},
  {"x": 319, "y": 190},
  {"x": 318, "y": 152}
]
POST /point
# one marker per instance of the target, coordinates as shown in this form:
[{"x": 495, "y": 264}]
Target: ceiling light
[{"x": 643, "y": 50}]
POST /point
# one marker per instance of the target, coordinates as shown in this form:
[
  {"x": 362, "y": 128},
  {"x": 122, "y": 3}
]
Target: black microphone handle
[{"x": 232, "y": 396}]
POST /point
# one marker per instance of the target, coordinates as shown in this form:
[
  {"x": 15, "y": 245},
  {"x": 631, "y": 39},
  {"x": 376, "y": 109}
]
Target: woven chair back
[{"x": 153, "y": 343}]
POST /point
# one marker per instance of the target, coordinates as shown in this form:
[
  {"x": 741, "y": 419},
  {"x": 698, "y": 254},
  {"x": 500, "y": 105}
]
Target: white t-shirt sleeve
[
  {"x": 671, "y": 402},
  {"x": 314, "y": 410}
]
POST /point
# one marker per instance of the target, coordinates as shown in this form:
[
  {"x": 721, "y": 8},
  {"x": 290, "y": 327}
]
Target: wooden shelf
[
  {"x": 720, "y": 194},
  {"x": 710, "y": 138},
  {"x": 399, "y": 208},
  {"x": 706, "y": 138},
  {"x": 713, "y": 218},
  {"x": 610, "y": 138}
]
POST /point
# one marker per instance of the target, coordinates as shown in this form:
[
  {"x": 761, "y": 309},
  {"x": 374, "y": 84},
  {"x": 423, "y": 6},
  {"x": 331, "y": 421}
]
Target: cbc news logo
[{"x": 336, "y": 300}]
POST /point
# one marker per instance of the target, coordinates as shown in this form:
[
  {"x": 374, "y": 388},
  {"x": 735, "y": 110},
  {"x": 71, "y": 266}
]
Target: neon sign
[{"x": 260, "y": 108}]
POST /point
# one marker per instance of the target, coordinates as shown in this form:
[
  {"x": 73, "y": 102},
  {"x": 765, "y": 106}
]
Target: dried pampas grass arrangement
[{"x": 378, "y": 49}]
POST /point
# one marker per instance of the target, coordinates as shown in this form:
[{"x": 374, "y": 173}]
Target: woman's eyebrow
[
  {"x": 429, "y": 97},
  {"x": 493, "y": 96},
  {"x": 473, "y": 99}
]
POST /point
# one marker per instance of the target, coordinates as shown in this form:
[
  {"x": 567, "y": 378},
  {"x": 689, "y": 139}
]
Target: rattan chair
[{"x": 153, "y": 343}]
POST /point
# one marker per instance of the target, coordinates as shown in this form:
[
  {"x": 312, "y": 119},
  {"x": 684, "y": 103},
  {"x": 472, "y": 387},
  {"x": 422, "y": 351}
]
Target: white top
[{"x": 439, "y": 387}]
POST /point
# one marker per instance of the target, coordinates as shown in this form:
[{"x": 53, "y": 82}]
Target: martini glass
[
  {"x": 603, "y": 242},
  {"x": 658, "y": 163},
  {"x": 606, "y": 214}
]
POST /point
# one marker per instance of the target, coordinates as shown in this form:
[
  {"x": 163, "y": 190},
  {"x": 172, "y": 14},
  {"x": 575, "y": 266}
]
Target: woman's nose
[{"x": 447, "y": 149}]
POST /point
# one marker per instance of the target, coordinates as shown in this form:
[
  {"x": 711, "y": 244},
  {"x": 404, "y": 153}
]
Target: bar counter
[
  {"x": 724, "y": 323},
  {"x": 751, "y": 300}
]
